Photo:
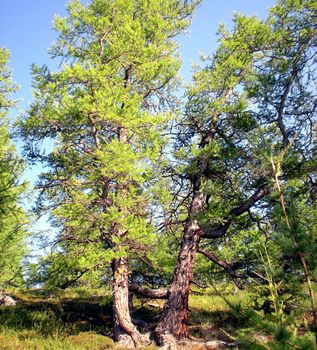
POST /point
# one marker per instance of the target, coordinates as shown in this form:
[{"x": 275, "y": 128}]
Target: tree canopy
[
  {"x": 152, "y": 192},
  {"x": 13, "y": 220}
]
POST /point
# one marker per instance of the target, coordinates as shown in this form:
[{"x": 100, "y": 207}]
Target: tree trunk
[
  {"x": 124, "y": 330},
  {"x": 173, "y": 322},
  {"x": 175, "y": 313}
]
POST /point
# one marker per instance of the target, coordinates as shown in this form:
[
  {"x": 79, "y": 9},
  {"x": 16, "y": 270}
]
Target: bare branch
[
  {"x": 223, "y": 264},
  {"x": 148, "y": 292},
  {"x": 244, "y": 207}
]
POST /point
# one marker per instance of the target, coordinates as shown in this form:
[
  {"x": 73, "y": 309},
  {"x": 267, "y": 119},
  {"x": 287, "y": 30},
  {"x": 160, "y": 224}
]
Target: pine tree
[
  {"x": 254, "y": 96},
  {"x": 213, "y": 162},
  {"x": 104, "y": 112},
  {"x": 286, "y": 107},
  {"x": 12, "y": 217}
]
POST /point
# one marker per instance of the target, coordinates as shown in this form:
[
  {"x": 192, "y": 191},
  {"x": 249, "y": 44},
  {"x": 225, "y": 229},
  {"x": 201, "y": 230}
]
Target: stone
[
  {"x": 169, "y": 342},
  {"x": 5, "y": 300},
  {"x": 198, "y": 346},
  {"x": 216, "y": 345}
]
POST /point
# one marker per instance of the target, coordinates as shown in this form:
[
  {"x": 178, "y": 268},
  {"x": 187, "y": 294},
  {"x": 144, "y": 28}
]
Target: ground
[{"x": 81, "y": 320}]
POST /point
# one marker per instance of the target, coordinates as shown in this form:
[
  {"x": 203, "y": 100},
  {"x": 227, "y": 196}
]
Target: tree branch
[
  {"x": 223, "y": 264},
  {"x": 148, "y": 292},
  {"x": 244, "y": 207},
  {"x": 226, "y": 266}
]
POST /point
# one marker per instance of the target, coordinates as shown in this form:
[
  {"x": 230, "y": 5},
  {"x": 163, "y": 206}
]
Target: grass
[
  {"x": 66, "y": 321},
  {"x": 82, "y": 320},
  {"x": 32, "y": 341},
  {"x": 62, "y": 320},
  {"x": 210, "y": 316}
]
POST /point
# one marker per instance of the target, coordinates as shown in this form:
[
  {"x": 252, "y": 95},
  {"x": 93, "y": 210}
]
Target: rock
[
  {"x": 169, "y": 342},
  {"x": 5, "y": 300},
  {"x": 216, "y": 345},
  {"x": 126, "y": 342},
  {"x": 198, "y": 346}
]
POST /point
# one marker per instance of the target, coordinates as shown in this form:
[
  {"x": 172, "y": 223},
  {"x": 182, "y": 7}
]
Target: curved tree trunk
[
  {"x": 174, "y": 318},
  {"x": 124, "y": 330},
  {"x": 173, "y": 322}
]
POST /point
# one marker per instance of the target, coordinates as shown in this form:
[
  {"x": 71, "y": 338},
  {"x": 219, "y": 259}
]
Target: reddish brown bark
[
  {"x": 124, "y": 330},
  {"x": 175, "y": 313},
  {"x": 148, "y": 292}
]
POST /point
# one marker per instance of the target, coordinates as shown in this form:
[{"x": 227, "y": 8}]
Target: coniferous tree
[
  {"x": 12, "y": 217},
  {"x": 254, "y": 98},
  {"x": 212, "y": 159},
  {"x": 104, "y": 112}
]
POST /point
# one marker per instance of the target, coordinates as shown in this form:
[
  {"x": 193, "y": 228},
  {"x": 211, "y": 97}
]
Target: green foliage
[
  {"x": 105, "y": 110},
  {"x": 249, "y": 124},
  {"x": 13, "y": 221}
]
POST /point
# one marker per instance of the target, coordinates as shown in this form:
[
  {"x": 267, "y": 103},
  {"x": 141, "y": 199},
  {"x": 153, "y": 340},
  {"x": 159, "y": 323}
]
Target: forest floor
[{"x": 79, "y": 319}]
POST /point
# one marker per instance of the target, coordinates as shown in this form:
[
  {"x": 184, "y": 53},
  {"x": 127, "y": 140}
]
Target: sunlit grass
[
  {"x": 30, "y": 340},
  {"x": 78, "y": 319},
  {"x": 55, "y": 320}
]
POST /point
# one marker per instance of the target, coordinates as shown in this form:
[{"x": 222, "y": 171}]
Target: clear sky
[{"x": 26, "y": 30}]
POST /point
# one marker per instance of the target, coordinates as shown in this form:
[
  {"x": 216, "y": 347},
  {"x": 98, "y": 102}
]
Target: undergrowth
[{"x": 78, "y": 319}]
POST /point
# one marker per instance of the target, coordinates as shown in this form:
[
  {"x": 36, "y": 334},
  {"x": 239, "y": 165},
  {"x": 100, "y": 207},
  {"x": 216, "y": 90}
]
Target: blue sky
[{"x": 26, "y": 30}]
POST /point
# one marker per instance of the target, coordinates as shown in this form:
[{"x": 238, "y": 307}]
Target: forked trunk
[
  {"x": 124, "y": 330},
  {"x": 174, "y": 318},
  {"x": 173, "y": 322}
]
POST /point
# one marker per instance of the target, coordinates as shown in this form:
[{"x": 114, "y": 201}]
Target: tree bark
[
  {"x": 175, "y": 313},
  {"x": 229, "y": 268},
  {"x": 220, "y": 231},
  {"x": 148, "y": 292},
  {"x": 124, "y": 330},
  {"x": 174, "y": 318}
]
